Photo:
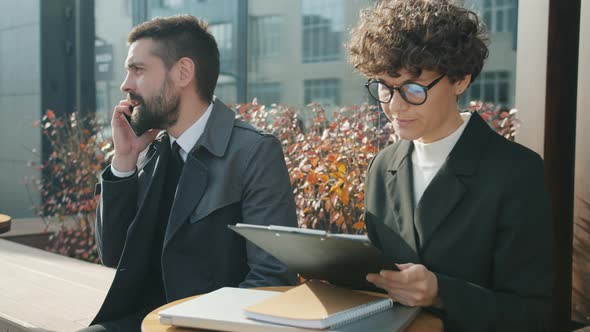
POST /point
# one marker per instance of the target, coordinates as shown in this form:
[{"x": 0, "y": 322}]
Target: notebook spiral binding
[{"x": 354, "y": 314}]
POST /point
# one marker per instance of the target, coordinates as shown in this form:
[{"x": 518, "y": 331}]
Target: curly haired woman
[{"x": 463, "y": 210}]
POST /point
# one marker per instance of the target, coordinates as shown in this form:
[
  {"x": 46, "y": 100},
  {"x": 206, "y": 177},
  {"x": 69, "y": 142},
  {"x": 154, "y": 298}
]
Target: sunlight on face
[{"x": 149, "y": 88}]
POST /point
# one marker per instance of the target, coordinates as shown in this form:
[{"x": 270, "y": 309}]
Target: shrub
[
  {"x": 79, "y": 151},
  {"x": 327, "y": 162},
  {"x": 503, "y": 120}
]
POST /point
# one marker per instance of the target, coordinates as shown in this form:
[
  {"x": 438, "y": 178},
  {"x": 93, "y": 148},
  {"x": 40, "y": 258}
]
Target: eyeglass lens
[{"x": 411, "y": 92}]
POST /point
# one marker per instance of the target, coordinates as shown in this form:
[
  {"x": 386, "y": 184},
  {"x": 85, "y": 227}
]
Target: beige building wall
[
  {"x": 581, "y": 264},
  {"x": 531, "y": 72}
]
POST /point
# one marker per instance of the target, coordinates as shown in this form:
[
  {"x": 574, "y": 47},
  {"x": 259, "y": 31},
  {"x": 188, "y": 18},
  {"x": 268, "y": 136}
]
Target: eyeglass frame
[{"x": 392, "y": 89}]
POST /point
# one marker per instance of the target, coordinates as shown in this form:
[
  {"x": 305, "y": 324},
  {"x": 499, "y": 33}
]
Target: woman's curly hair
[{"x": 418, "y": 35}]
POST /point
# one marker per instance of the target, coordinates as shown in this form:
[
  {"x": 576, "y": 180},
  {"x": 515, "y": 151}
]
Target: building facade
[{"x": 69, "y": 55}]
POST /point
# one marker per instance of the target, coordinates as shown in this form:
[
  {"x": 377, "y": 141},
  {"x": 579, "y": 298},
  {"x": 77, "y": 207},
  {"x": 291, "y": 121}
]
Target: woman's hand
[{"x": 414, "y": 285}]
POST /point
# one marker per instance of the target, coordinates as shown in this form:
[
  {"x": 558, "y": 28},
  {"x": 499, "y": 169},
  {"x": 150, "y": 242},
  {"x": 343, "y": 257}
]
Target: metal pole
[{"x": 242, "y": 51}]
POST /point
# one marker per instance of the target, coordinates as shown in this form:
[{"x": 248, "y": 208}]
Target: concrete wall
[{"x": 20, "y": 103}]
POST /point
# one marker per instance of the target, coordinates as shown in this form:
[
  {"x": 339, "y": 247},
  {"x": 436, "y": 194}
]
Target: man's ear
[
  {"x": 184, "y": 72},
  {"x": 462, "y": 84}
]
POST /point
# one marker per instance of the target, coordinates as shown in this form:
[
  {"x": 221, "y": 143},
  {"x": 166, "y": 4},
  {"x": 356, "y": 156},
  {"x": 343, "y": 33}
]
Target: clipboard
[{"x": 341, "y": 259}]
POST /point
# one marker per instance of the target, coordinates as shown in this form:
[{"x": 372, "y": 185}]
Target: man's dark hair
[
  {"x": 183, "y": 36},
  {"x": 418, "y": 35}
]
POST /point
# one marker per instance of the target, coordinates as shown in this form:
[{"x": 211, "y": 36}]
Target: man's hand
[
  {"x": 127, "y": 145},
  {"x": 414, "y": 285}
]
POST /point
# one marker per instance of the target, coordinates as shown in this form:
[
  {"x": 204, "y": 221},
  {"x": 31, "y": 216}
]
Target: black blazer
[
  {"x": 482, "y": 226},
  {"x": 235, "y": 173}
]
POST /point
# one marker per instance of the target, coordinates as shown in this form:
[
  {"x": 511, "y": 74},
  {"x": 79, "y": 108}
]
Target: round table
[
  {"x": 5, "y": 222},
  {"x": 425, "y": 322}
]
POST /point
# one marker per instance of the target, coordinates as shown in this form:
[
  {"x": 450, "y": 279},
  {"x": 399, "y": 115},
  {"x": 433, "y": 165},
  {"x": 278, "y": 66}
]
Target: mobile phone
[{"x": 136, "y": 130}]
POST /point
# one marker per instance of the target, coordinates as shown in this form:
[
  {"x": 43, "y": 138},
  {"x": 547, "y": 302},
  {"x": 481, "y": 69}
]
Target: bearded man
[{"x": 169, "y": 194}]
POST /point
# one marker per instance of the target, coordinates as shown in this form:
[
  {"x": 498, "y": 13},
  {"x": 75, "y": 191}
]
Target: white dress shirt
[
  {"x": 427, "y": 158},
  {"x": 186, "y": 141}
]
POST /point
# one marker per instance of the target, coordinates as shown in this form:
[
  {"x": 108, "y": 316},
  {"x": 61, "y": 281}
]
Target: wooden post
[{"x": 559, "y": 151}]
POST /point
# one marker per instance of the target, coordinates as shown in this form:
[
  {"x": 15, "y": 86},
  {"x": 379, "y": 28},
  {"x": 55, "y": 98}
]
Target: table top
[
  {"x": 425, "y": 322},
  {"x": 5, "y": 222}
]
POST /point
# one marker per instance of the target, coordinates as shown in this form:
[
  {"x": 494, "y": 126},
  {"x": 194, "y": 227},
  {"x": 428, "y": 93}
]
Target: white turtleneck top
[{"x": 427, "y": 158}]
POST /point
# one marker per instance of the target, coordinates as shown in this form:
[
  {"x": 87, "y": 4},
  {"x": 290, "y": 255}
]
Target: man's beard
[{"x": 157, "y": 112}]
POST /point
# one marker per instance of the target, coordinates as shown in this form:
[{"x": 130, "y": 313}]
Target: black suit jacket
[
  {"x": 482, "y": 226},
  {"x": 235, "y": 173}
]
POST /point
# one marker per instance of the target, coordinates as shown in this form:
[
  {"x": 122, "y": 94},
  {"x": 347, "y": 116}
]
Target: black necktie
[
  {"x": 173, "y": 171},
  {"x": 175, "y": 164},
  {"x": 156, "y": 294}
]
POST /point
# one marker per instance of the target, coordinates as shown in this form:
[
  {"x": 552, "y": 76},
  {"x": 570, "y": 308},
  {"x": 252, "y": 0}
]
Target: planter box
[{"x": 28, "y": 231}]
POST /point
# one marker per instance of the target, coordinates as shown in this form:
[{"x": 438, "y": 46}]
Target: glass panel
[
  {"x": 499, "y": 20},
  {"x": 510, "y": 19},
  {"x": 223, "y": 35},
  {"x": 487, "y": 18},
  {"x": 113, "y": 19},
  {"x": 310, "y": 33},
  {"x": 503, "y": 93},
  {"x": 324, "y": 91},
  {"x": 323, "y": 25},
  {"x": 316, "y": 30},
  {"x": 490, "y": 75},
  {"x": 22, "y": 63},
  {"x": 488, "y": 91},
  {"x": 222, "y": 16},
  {"x": 497, "y": 79},
  {"x": 475, "y": 91},
  {"x": 226, "y": 90},
  {"x": 265, "y": 93}
]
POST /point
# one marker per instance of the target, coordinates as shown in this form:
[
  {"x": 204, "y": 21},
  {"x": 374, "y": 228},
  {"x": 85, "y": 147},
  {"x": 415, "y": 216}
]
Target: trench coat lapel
[{"x": 193, "y": 180}]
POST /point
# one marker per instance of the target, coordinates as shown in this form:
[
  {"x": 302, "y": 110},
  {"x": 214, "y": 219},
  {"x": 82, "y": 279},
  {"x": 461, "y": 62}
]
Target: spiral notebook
[
  {"x": 223, "y": 310},
  {"x": 318, "y": 305}
]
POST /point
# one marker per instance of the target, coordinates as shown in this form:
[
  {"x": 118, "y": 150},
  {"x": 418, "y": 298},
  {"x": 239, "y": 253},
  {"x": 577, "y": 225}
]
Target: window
[
  {"x": 499, "y": 15},
  {"x": 266, "y": 93},
  {"x": 267, "y": 58},
  {"x": 323, "y": 91},
  {"x": 226, "y": 92},
  {"x": 223, "y": 35},
  {"x": 171, "y": 4},
  {"x": 265, "y": 36},
  {"x": 492, "y": 86},
  {"x": 322, "y": 30},
  {"x": 222, "y": 16}
]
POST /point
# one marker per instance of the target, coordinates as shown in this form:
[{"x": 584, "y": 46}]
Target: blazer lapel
[
  {"x": 439, "y": 199},
  {"x": 447, "y": 188},
  {"x": 399, "y": 184}
]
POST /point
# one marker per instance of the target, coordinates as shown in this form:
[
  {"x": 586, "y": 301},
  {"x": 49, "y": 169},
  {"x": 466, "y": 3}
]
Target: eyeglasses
[{"x": 412, "y": 93}]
